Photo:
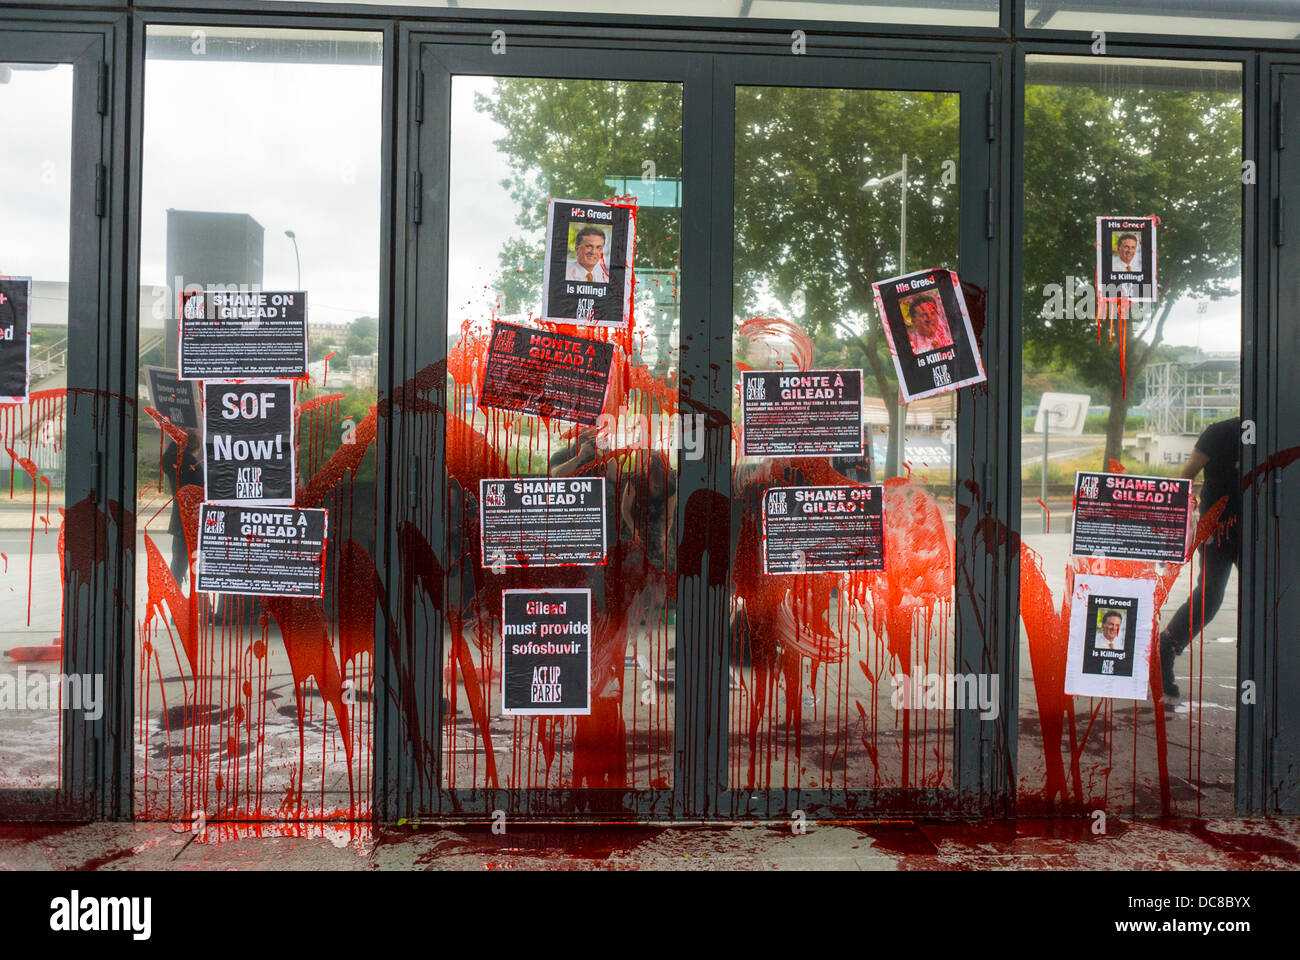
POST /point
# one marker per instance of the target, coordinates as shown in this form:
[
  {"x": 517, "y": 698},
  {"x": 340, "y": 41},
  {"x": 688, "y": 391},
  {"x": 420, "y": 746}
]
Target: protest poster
[
  {"x": 542, "y": 522},
  {"x": 546, "y": 374},
  {"x": 587, "y": 275},
  {"x": 823, "y": 529},
  {"x": 800, "y": 413},
  {"x": 262, "y": 551},
  {"x": 1129, "y": 517},
  {"x": 15, "y": 339},
  {"x": 929, "y": 331},
  {"x": 546, "y": 656},
  {"x": 173, "y": 398},
  {"x": 1126, "y": 258},
  {"x": 242, "y": 334},
  {"x": 1110, "y": 637},
  {"x": 248, "y": 442}
]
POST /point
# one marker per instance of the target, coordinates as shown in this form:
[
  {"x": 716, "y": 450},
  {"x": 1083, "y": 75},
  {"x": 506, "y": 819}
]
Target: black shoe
[{"x": 1167, "y": 656}]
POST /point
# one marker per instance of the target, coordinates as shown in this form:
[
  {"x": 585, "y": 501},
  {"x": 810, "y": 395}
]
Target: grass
[
  {"x": 1063, "y": 471},
  {"x": 1093, "y": 423}
]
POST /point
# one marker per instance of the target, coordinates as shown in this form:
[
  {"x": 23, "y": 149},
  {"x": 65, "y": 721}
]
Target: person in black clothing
[
  {"x": 183, "y": 471},
  {"x": 1218, "y": 453}
]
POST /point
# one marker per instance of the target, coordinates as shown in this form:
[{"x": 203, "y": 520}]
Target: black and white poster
[
  {"x": 546, "y": 660},
  {"x": 801, "y": 413},
  {"x": 1110, "y": 637},
  {"x": 542, "y": 522},
  {"x": 1128, "y": 517},
  {"x": 248, "y": 448},
  {"x": 262, "y": 551},
  {"x": 15, "y": 339},
  {"x": 236, "y": 334},
  {"x": 546, "y": 374},
  {"x": 174, "y": 399},
  {"x": 587, "y": 276},
  {"x": 929, "y": 332},
  {"x": 1126, "y": 258},
  {"x": 824, "y": 529}
]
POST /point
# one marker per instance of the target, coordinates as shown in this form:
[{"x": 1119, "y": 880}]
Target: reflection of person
[
  {"x": 185, "y": 473},
  {"x": 929, "y": 329},
  {"x": 589, "y": 249},
  {"x": 577, "y": 459},
  {"x": 649, "y": 512},
  {"x": 1109, "y": 636},
  {"x": 1125, "y": 254},
  {"x": 1218, "y": 453}
]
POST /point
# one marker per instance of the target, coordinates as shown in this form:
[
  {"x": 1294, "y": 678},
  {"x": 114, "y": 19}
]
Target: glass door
[
  {"x": 519, "y": 476},
  {"x": 862, "y": 672},
  {"x": 54, "y": 689},
  {"x": 767, "y": 196}
]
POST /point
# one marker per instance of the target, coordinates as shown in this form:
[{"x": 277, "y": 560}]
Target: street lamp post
[
  {"x": 294, "y": 237},
  {"x": 872, "y": 185},
  {"x": 1048, "y": 412}
]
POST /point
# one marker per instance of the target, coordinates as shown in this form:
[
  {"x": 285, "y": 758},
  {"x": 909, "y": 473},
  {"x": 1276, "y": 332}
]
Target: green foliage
[
  {"x": 322, "y": 347},
  {"x": 564, "y": 138},
  {"x": 1120, "y": 149},
  {"x": 805, "y": 230},
  {"x": 355, "y": 405},
  {"x": 803, "y": 223},
  {"x": 362, "y": 339}
]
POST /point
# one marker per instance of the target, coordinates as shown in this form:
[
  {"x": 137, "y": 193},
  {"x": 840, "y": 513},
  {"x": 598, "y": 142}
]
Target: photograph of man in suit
[
  {"x": 1110, "y": 636},
  {"x": 1125, "y": 258},
  {"x": 929, "y": 328},
  {"x": 588, "y": 262}
]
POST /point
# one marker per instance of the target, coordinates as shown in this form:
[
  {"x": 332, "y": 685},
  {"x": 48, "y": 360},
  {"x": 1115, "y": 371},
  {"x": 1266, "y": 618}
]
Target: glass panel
[
  {"x": 514, "y": 143},
  {"x": 955, "y": 13},
  {"x": 821, "y": 661},
  {"x": 1262, "y": 19},
  {"x": 36, "y": 210},
  {"x": 261, "y": 170},
  {"x": 1130, "y": 139}
]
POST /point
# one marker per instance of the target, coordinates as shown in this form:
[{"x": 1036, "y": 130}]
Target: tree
[
  {"x": 1095, "y": 151},
  {"x": 565, "y": 138},
  {"x": 363, "y": 337},
  {"x": 806, "y": 230},
  {"x": 803, "y": 224}
]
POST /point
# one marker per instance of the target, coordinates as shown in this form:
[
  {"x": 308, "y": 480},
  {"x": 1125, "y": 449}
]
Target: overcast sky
[{"x": 297, "y": 147}]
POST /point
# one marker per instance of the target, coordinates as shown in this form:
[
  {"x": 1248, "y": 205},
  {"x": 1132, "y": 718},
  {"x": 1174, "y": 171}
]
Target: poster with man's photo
[
  {"x": 587, "y": 275},
  {"x": 1110, "y": 637},
  {"x": 15, "y": 339},
  {"x": 929, "y": 332},
  {"x": 1126, "y": 258}
]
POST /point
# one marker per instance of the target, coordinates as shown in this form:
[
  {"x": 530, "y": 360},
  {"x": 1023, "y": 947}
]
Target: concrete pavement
[{"x": 1026, "y": 844}]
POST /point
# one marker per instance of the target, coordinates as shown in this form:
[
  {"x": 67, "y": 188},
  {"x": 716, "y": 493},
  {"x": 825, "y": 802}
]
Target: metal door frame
[
  {"x": 980, "y": 635},
  {"x": 1268, "y": 780},
  {"x": 93, "y": 754},
  {"x": 709, "y": 69}
]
